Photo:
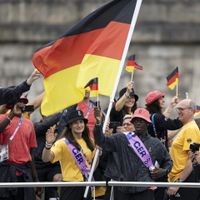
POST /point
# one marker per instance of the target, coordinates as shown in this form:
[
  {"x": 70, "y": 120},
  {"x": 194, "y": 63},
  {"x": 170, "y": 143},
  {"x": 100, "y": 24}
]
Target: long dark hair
[
  {"x": 133, "y": 108},
  {"x": 68, "y": 134},
  {"x": 154, "y": 107}
]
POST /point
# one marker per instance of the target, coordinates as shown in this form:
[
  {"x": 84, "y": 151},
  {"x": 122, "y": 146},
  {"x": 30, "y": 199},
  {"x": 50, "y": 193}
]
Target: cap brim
[
  {"x": 138, "y": 116},
  {"x": 75, "y": 119}
]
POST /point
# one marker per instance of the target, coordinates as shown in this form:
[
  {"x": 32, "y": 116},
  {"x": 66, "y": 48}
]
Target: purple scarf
[
  {"x": 140, "y": 150},
  {"x": 79, "y": 158}
]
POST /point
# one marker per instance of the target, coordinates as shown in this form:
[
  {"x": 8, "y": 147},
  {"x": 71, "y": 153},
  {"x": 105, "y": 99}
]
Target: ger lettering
[
  {"x": 77, "y": 155},
  {"x": 140, "y": 149}
]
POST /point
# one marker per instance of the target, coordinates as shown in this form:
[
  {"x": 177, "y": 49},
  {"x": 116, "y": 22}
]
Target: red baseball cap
[
  {"x": 142, "y": 113},
  {"x": 153, "y": 96}
]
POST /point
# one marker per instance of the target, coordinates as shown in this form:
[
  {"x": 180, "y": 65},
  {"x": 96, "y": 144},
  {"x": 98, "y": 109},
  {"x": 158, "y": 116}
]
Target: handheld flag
[
  {"x": 132, "y": 65},
  {"x": 93, "y": 86},
  {"x": 197, "y": 109},
  {"x": 173, "y": 78},
  {"x": 91, "y": 48}
]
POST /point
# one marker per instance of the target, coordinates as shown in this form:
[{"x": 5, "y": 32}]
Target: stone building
[{"x": 166, "y": 36}]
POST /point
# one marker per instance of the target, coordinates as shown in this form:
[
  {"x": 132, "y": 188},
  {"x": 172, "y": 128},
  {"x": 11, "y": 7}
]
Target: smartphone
[{"x": 28, "y": 108}]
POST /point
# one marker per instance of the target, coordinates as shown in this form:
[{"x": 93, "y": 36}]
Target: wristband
[
  {"x": 179, "y": 180},
  {"x": 48, "y": 145},
  {"x": 98, "y": 124},
  {"x": 47, "y": 148}
]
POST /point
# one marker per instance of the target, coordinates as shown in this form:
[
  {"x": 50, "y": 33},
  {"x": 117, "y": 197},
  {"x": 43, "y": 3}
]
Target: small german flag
[
  {"x": 93, "y": 87},
  {"x": 197, "y": 109},
  {"x": 132, "y": 65},
  {"x": 172, "y": 79}
]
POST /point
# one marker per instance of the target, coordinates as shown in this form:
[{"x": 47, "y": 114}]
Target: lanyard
[
  {"x": 79, "y": 158},
  {"x": 140, "y": 150},
  {"x": 17, "y": 128},
  {"x": 89, "y": 110}
]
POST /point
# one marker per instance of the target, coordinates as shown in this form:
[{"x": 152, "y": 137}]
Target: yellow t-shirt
[
  {"x": 188, "y": 134},
  {"x": 70, "y": 170}
]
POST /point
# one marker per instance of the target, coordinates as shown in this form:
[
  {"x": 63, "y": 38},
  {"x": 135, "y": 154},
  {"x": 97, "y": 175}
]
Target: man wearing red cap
[
  {"x": 17, "y": 139},
  {"x": 141, "y": 157}
]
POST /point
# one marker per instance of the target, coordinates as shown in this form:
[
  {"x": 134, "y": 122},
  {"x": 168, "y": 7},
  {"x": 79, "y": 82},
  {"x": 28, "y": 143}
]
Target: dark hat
[
  {"x": 74, "y": 116},
  {"x": 132, "y": 94},
  {"x": 21, "y": 99}
]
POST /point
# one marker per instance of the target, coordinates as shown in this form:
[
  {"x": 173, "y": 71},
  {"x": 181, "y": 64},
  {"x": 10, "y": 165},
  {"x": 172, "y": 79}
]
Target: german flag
[
  {"x": 173, "y": 78},
  {"x": 91, "y": 48},
  {"x": 132, "y": 65},
  {"x": 93, "y": 87},
  {"x": 197, "y": 109}
]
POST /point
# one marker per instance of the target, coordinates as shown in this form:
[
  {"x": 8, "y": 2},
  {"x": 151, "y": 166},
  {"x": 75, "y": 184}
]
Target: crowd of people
[{"x": 144, "y": 144}]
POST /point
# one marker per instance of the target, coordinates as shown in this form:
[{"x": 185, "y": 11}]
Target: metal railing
[{"x": 97, "y": 183}]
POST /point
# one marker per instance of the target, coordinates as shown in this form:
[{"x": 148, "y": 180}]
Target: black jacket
[
  {"x": 129, "y": 166},
  {"x": 163, "y": 124},
  {"x": 8, "y": 174},
  {"x": 40, "y": 130},
  {"x": 10, "y": 95}
]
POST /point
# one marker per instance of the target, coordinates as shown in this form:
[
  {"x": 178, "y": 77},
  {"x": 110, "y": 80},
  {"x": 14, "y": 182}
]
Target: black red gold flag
[
  {"x": 132, "y": 65},
  {"x": 91, "y": 48},
  {"x": 173, "y": 78}
]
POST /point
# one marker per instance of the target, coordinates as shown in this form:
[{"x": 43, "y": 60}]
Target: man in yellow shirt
[{"x": 179, "y": 151}]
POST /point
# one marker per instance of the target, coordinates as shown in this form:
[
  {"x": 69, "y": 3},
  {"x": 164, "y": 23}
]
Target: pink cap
[
  {"x": 153, "y": 96},
  {"x": 142, "y": 113}
]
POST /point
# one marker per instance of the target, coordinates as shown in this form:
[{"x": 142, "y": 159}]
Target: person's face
[
  {"x": 87, "y": 94},
  {"x": 130, "y": 102},
  {"x": 77, "y": 127},
  {"x": 127, "y": 125},
  {"x": 185, "y": 114},
  {"x": 161, "y": 102},
  {"x": 140, "y": 125}
]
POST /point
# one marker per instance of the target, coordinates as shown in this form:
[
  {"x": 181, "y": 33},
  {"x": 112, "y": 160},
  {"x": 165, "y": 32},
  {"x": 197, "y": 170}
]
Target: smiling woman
[{"x": 74, "y": 152}]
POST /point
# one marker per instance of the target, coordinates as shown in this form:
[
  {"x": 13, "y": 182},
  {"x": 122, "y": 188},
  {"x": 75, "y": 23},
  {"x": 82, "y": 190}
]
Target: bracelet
[
  {"x": 47, "y": 148},
  {"x": 98, "y": 124},
  {"x": 179, "y": 180},
  {"x": 48, "y": 145}
]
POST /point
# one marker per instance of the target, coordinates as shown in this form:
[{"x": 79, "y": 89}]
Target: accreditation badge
[{"x": 4, "y": 152}]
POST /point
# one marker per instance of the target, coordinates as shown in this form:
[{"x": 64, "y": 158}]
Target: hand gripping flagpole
[{"x": 121, "y": 66}]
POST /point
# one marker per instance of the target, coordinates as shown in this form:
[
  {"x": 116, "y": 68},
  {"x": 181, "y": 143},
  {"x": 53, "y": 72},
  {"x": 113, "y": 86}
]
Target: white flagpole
[
  {"x": 186, "y": 95},
  {"x": 177, "y": 90},
  {"x": 132, "y": 73},
  {"x": 121, "y": 66}
]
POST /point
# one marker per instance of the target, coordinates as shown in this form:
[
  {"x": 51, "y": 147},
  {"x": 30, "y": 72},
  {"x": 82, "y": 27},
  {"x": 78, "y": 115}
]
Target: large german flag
[
  {"x": 172, "y": 79},
  {"x": 91, "y": 48}
]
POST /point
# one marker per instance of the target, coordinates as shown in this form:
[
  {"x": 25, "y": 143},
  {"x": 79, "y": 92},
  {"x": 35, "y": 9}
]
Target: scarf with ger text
[
  {"x": 79, "y": 159},
  {"x": 140, "y": 150}
]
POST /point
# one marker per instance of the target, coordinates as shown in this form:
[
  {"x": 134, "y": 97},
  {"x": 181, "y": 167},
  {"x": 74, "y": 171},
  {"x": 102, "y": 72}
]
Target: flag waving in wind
[
  {"x": 132, "y": 65},
  {"x": 93, "y": 87},
  {"x": 173, "y": 78},
  {"x": 91, "y": 48}
]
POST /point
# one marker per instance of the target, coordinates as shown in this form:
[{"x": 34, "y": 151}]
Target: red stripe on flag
[{"x": 69, "y": 51}]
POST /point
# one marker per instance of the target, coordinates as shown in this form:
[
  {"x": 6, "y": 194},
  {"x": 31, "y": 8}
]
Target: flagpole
[
  {"x": 177, "y": 90},
  {"x": 186, "y": 95},
  {"x": 132, "y": 73},
  {"x": 121, "y": 66},
  {"x": 98, "y": 102}
]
